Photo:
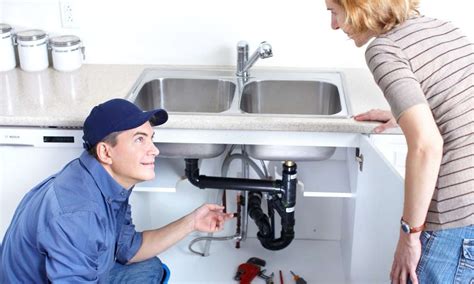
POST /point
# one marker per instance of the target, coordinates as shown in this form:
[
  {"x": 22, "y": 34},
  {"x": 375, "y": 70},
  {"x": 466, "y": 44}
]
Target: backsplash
[{"x": 187, "y": 32}]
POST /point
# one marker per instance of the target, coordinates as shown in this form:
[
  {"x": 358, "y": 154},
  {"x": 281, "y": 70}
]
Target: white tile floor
[{"x": 315, "y": 261}]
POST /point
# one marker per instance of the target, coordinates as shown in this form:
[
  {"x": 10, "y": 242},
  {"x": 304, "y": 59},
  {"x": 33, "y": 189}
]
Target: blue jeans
[
  {"x": 447, "y": 256},
  {"x": 145, "y": 272}
]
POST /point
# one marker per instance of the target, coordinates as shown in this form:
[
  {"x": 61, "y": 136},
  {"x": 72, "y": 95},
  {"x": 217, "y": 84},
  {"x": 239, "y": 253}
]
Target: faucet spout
[{"x": 244, "y": 63}]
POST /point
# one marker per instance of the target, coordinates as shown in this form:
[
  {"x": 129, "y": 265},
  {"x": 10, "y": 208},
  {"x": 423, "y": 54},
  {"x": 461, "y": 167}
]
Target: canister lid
[
  {"x": 5, "y": 28},
  {"x": 65, "y": 40},
  {"x": 30, "y": 35}
]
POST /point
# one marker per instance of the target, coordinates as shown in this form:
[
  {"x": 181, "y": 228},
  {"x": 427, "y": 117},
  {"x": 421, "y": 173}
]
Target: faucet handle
[{"x": 265, "y": 50}]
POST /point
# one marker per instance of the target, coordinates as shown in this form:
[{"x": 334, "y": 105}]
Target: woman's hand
[
  {"x": 406, "y": 259},
  {"x": 384, "y": 116},
  {"x": 210, "y": 218}
]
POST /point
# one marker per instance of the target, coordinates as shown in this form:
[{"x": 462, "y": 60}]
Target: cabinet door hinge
[{"x": 360, "y": 159}]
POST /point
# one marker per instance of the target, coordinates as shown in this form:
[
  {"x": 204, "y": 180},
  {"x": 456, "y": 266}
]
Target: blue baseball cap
[{"x": 117, "y": 115}]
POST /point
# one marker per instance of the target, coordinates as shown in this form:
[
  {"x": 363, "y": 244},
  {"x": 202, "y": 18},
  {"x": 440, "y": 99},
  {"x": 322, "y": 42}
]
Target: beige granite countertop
[{"x": 55, "y": 99}]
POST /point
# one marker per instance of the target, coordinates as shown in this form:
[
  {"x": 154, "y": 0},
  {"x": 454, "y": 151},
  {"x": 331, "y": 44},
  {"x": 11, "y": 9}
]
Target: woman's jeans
[
  {"x": 447, "y": 256},
  {"x": 148, "y": 271}
]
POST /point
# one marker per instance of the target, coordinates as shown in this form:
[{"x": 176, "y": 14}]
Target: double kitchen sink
[{"x": 265, "y": 93}]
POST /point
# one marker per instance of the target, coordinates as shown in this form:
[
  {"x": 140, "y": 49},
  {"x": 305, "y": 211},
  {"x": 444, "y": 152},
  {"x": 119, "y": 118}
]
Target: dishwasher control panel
[{"x": 40, "y": 137}]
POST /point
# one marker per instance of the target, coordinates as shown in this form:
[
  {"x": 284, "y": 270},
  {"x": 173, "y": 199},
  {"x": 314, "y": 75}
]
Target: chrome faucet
[{"x": 244, "y": 63}]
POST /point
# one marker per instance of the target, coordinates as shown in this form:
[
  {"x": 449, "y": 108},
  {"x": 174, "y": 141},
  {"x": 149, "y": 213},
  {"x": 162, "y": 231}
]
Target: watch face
[{"x": 406, "y": 228}]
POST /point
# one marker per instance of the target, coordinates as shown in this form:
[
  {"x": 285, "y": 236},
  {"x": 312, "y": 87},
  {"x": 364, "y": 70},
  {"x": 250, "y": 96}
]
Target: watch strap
[{"x": 411, "y": 229}]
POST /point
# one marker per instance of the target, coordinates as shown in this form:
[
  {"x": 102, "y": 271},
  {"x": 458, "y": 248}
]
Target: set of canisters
[{"x": 67, "y": 52}]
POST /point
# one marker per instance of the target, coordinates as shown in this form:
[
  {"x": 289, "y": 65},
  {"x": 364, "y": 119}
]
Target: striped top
[{"x": 428, "y": 61}]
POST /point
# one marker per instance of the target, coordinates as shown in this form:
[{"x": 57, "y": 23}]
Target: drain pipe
[
  {"x": 284, "y": 205},
  {"x": 202, "y": 181}
]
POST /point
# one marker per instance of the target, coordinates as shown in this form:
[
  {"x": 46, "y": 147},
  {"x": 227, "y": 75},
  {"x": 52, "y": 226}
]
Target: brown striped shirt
[{"x": 428, "y": 61}]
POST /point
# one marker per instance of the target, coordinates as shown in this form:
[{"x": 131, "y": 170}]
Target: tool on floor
[
  {"x": 281, "y": 277},
  {"x": 247, "y": 271},
  {"x": 268, "y": 278},
  {"x": 298, "y": 279}
]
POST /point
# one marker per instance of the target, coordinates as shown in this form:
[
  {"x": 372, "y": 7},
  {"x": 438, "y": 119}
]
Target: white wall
[{"x": 204, "y": 32}]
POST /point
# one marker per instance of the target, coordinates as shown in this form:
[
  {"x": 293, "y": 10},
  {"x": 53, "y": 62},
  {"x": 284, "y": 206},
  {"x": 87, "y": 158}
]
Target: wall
[{"x": 205, "y": 32}]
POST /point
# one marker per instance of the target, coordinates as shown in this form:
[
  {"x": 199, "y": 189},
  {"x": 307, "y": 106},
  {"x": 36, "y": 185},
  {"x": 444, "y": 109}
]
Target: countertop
[{"x": 56, "y": 99}]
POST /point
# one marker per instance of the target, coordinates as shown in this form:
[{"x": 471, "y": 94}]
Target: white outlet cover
[{"x": 69, "y": 15}]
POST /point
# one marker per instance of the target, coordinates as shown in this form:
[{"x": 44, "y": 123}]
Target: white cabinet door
[
  {"x": 394, "y": 148},
  {"x": 378, "y": 206}
]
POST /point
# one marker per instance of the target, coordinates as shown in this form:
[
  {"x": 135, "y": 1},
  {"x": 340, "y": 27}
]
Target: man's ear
[{"x": 103, "y": 153}]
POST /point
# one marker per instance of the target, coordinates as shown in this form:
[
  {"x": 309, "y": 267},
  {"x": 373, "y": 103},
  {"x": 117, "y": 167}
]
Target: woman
[{"x": 425, "y": 68}]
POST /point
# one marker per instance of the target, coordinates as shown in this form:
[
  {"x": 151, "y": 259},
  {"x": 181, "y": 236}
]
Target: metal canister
[
  {"x": 67, "y": 52},
  {"x": 7, "y": 51},
  {"x": 33, "y": 50}
]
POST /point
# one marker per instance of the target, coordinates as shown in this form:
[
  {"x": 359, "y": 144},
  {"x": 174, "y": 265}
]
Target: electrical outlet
[{"x": 68, "y": 14}]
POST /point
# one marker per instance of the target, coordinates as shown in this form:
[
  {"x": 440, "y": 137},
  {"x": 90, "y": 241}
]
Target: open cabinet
[{"x": 347, "y": 220}]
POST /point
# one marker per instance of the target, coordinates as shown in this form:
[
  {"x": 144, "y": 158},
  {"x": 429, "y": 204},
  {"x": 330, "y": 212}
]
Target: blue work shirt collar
[{"x": 109, "y": 187}]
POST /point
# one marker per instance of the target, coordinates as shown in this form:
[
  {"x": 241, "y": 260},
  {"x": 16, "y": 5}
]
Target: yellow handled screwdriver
[{"x": 298, "y": 279}]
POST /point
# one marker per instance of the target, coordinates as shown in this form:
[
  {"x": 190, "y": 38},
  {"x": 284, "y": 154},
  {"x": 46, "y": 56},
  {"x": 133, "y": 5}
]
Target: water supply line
[
  {"x": 241, "y": 229},
  {"x": 282, "y": 200}
]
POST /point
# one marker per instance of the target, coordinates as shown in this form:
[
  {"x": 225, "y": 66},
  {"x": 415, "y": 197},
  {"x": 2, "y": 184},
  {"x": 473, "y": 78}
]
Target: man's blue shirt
[{"x": 72, "y": 227}]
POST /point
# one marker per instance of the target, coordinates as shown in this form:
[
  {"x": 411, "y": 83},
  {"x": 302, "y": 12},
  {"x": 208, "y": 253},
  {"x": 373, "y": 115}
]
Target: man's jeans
[
  {"x": 148, "y": 271},
  {"x": 447, "y": 256}
]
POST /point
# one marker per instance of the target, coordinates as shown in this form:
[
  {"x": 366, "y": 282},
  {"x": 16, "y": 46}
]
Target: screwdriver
[{"x": 298, "y": 279}]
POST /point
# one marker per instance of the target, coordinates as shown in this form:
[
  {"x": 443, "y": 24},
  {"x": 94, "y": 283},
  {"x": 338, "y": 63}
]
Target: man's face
[{"x": 133, "y": 157}]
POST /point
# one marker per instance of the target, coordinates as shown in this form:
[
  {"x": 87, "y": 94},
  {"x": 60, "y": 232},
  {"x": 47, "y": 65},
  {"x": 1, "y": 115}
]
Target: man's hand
[
  {"x": 207, "y": 218},
  {"x": 384, "y": 116},
  {"x": 210, "y": 218},
  {"x": 406, "y": 259}
]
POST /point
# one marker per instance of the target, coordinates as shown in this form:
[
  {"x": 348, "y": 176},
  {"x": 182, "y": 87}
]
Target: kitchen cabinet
[
  {"x": 347, "y": 220},
  {"x": 347, "y": 212},
  {"x": 394, "y": 149}
]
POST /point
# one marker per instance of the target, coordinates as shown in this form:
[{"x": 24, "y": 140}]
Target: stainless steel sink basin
[
  {"x": 189, "y": 150},
  {"x": 309, "y": 97},
  {"x": 291, "y": 97},
  {"x": 294, "y": 153},
  {"x": 186, "y": 95},
  {"x": 219, "y": 93}
]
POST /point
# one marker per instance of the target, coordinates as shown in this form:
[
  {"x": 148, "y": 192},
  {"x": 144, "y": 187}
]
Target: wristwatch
[{"x": 406, "y": 228}]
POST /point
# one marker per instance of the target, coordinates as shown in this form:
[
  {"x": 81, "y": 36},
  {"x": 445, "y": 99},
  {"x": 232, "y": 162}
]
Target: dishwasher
[{"x": 29, "y": 155}]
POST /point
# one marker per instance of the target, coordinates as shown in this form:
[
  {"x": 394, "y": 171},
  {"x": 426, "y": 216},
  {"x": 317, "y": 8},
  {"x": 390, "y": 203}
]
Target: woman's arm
[{"x": 425, "y": 149}]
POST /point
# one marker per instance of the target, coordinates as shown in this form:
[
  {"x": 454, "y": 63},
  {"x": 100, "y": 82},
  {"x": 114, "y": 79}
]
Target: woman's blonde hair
[{"x": 377, "y": 16}]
